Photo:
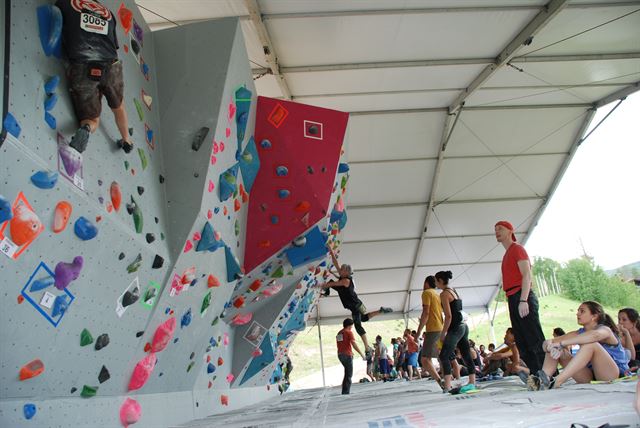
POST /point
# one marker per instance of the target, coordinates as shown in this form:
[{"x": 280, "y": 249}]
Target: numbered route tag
[
  {"x": 8, "y": 248},
  {"x": 47, "y": 300},
  {"x": 93, "y": 24},
  {"x": 78, "y": 181}
]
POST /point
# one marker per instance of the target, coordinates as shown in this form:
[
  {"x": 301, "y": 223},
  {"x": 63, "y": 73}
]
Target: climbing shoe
[
  {"x": 467, "y": 388},
  {"x": 384, "y": 310},
  {"x": 124, "y": 145},
  {"x": 546, "y": 382},
  {"x": 81, "y": 138}
]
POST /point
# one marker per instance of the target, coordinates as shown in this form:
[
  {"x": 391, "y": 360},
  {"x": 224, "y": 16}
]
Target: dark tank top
[
  {"x": 348, "y": 296},
  {"x": 456, "y": 311}
]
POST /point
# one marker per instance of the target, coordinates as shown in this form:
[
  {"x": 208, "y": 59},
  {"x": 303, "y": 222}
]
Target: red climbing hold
[
  {"x": 163, "y": 335},
  {"x": 31, "y": 369},
  {"x": 130, "y": 412},
  {"x": 187, "y": 246},
  {"x": 264, "y": 244},
  {"x": 116, "y": 195},
  {"x": 303, "y": 207},
  {"x": 255, "y": 285},
  {"x": 142, "y": 371},
  {"x": 20, "y": 298},
  {"x": 210, "y": 385},
  {"x": 239, "y": 302},
  {"x": 208, "y": 358},
  {"x": 225, "y": 211},
  {"x": 220, "y": 361},
  {"x": 147, "y": 346},
  {"x": 236, "y": 205},
  {"x": 224, "y": 400},
  {"x": 125, "y": 18},
  {"x": 212, "y": 281}
]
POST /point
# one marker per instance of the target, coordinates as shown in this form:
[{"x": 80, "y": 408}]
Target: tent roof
[{"x": 458, "y": 117}]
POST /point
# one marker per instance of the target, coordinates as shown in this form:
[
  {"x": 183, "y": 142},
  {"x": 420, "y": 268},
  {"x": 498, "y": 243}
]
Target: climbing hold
[
  {"x": 31, "y": 369},
  {"x": 278, "y": 273},
  {"x": 230, "y": 377},
  {"x": 84, "y": 229},
  {"x": 220, "y": 361},
  {"x": 272, "y": 289},
  {"x": 158, "y": 261},
  {"x": 241, "y": 319},
  {"x": 238, "y": 302},
  {"x": 275, "y": 219},
  {"x": 116, "y": 195},
  {"x": 282, "y": 171},
  {"x": 209, "y": 239},
  {"x": 85, "y": 337},
  {"x": 224, "y": 400},
  {"x": 342, "y": 168},
  {"x": 233, "y": 265},
  {"x": 50, "y": 120},
  {"x": 206, "y": 301},
  {"x": 104, "y": 375},
  {"x": 89, "y": 391},
  {"x": 161, "y": 178},
  {"x": 212, "y": 281},
  {"x": 249, "y": 164},
  {"x": 163, "y": 335},
  {"x": 299, "y": 241},
  {"x": 198, "y": 139},
  {"x": 236, "y": 205},
  {"x": 283, "y": 193},
  {"x": 102, "y": 341},
  {"x": 310, "y": 169},
  {"x": 71, "y": 159},
  {"x": 186, "y": 319},
  {"x": 255, "y": 285},
  {"x": 134, "y": 210},
  {"x": 146, "y": 99},
  {"x": 190, "y": 366},
  {"x": 50, "y": 101},
  {"x": 303, "y": 207},
  {"x": 135, "y": 265},
  {"x": 243, "y": 104},
  {"x": 139, "y": 109},
  {"x": 142, "y": 371},
  {"x": 187, "y": 246},
  {"x": 25, "y": 225},
  {"x": 228, "y": 182},
  {"x": 5, "y": 210},
  {"x": 50, "y": 29},
  {"x": 60, "y": 306},
  {"x": 150, "y": 237},
  {"x": 265, "y": 144},
  {"x": 44, "y": 179},
  {"x": 41, "y": 284},
  {"x": 211, "y": 368},
  {"x": 52, "y": 84},
  {"x": 140, "y": 190},
  {"x": 139, "y": 333},
  {"x": 256, "y": 352},
  {"x": 130, "y": 411},
  {"x": 29, "y": 410},
  {"x": 67, "y": 272},
  {"x": 130, "y": 297}
]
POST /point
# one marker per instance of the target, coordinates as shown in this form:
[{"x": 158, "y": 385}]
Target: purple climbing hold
[
  {"x": 84, "y": 229},
  {"x": 71, "y": 159},
  {"x": 67, "y": 272},
  {"x": 102, "y": 341},
  {"x": 137, "y": 31},
  {"x": 29, "y": 410}
]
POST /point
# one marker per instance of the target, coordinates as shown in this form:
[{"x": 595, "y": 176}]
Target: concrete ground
[{"x": 421, "y": 404}]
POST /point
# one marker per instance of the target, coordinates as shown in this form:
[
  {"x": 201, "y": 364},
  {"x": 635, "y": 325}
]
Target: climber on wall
[
  {"x": 347, "y": 293},
  {"x": 91, "y": 47}
]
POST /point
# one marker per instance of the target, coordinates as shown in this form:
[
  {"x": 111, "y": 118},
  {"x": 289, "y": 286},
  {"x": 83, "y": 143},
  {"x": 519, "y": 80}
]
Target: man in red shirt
[
  {"x": 345, "y": 341},
  {"x": 523, "y": 304}
]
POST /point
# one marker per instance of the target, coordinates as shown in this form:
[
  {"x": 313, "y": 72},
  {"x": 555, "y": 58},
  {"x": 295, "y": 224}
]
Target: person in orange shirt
[
  {"x": 412, "y": 354},
  {"x": 346, "y": 341}
]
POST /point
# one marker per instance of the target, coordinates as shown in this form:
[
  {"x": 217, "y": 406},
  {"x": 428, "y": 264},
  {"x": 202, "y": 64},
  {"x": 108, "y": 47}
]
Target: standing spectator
[
  {"x": 454, "y": 332},
  {"x": 523, "y": 304},
  {"x": 345, "y": 341},
  {"x": 431, "y": 320},
  {"x": 412, "y": 354},
  {"x": 383, "y": 362}
]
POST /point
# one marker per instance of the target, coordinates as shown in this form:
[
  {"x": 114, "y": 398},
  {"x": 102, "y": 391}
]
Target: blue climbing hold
[
  {"x": 84, "y": 229},
  {"x": 41, "y": 284},
  {"x": 60, "y": 306},
  {"x": 313, "y": 248},
  {"x": 145, "y": 69},
  {"x": 29, "y": 410},
  {"x": 11, "y": 124},
  {"x": 216, "y": 210},
  {"x": 186, "y": 319},
  {"x": 149, "y": 134},
  {"x": 282, "y": 171},
  {"x": 342, "y": 168},
  {"x": 208, "y": 241},
  {"x": 283, "y": 193},
  {"x": 339, "y": 217},
  {"x": 213, "y": 342},
  {"x": 5, "y": 210},
  {"x": 243, "y": 105},
  {"x": 211, "y": 368},
  {"x": 50, "y": 102},
  {"x": 50, "y": 120},
  {"x": 229, "y": 182},
  {"x": 274, "y": 219},
  {"x": 249, "y": 164},
  {"x": 50, "y": 29},
  {"x": 44, "y": 179},
  {"x": 52, "y": 85},
  {"x": 265, "y": 144}
]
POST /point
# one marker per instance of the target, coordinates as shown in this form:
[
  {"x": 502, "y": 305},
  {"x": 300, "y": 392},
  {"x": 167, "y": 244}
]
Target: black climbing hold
[
  {"x": 192, "y": 356},
  {"x": 104, "y": 375},
  {"x": 161, "y": 178},
  {"x": 102, "y": 341},
  {"x": 156, "y": 220},
  {"x": 121, "y": 256},
  {"x": 313, "y": 129},
  {"x": 130, "y": 297},
  {"x": 140, "y": 333},
  {"x": 131, "y": 207},
  {"x": 158, "y": 261},
  {"x": 150, "y": 237},
  {"x": 130, "y": 132},
  {"x": 140, "y": 190},
  {"x": 309, "y": 169},
  {"x": 323, "y": 169},
  {"x": 198, "y": 139},
  {"x": 196, "y": 175},
  {"x": 135, "y": 47},
  {"x": 74, "y": 389},
  {"x": 160, "y": 374}
]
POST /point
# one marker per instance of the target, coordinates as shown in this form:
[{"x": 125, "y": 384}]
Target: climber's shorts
[{"x": 88, "y": 82}]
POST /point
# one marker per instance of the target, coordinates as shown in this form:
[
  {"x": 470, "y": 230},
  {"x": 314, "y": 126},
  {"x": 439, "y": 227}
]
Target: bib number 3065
[{"x": 93, "y": 24}]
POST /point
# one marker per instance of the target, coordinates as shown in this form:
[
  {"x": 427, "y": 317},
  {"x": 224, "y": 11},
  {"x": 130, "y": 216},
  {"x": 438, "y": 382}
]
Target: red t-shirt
[
  {"x": 344, "y": 339},
  {"x": 412, "y": 345},
  {"x": 511, "y": 276}
]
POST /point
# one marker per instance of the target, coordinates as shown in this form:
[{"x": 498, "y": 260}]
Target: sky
[{"x": 598, "y": 199}]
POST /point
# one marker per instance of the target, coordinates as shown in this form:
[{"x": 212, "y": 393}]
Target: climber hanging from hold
[
  {"x": 91, "y": 47},
  {"x": 347, "y": 293}
]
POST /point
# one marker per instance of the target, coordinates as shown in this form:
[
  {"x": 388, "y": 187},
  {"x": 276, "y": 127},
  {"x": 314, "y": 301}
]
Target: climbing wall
[{"x": 125, "y": 281}]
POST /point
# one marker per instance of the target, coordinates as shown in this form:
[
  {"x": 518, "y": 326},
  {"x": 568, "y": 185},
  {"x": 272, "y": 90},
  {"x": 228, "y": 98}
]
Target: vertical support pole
[
  {"x": 321, "y": 353},
  {"x": 492, "y": 333}
]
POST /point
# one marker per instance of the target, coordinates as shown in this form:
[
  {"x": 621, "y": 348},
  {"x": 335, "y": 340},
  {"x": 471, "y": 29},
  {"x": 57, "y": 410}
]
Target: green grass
[{"x": 555, "y": 311}]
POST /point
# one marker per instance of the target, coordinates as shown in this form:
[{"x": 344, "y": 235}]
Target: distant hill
[{"x": 630, "y": 271}]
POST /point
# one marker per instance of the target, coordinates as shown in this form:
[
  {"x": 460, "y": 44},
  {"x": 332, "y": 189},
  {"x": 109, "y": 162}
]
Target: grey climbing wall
[{"x": 171, "y": 220}]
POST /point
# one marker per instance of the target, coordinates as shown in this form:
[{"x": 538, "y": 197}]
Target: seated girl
[
  {"x": 629, "y": 326},
  {"x": 601, "y": 355}
]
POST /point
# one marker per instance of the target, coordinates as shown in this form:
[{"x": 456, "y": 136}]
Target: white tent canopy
[{"x": 463, "y": 113}]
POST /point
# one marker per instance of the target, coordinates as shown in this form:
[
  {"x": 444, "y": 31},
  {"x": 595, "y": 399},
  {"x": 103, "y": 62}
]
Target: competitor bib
[{"x": 93, "y": 24}]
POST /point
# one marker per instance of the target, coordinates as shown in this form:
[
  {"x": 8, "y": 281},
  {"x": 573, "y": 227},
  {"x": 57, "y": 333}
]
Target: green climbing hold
[
  {"x": 143, "y": 159},
  {"x": 290, "y": 273},
  {"x": 135, "y": 265},
  {"x": 190, "y": 366},
  {"x": 89, "y": 391},
  {"x": 237, "y": 227},
  {"x": 278, "y": 273},
  {"x": 215, "y": 321},
  {"x": 139, "y": 109},
  {"x": 344, "y": 182},
  {"x": 126, "y": 165},
  {"x": 85, "y": 338},
  {"x": 205, "y": 303},
  {"x": 137, "y": 216},
  {"x": 162, "y": 236}
]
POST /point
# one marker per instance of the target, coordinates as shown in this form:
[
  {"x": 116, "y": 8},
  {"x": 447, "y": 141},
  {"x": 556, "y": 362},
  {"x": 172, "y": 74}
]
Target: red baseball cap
[{"x": 507, "y": 225}]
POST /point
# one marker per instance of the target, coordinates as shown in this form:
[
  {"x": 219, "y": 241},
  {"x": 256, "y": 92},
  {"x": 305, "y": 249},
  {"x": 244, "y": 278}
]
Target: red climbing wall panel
[{"x": 299, "y": 148}]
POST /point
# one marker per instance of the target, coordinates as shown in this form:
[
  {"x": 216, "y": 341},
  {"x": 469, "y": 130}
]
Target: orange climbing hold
[
  {"x": 212, "y": 281},
  {"x": 225, "y": 211},
  {"x": 116, "y": 195},
  {"x": 61, "y": 216},
  {"x": 224, "y": 400},
  {"x": 25, "y": 225},
  {"x": 236, "y": 205},
  {"x": 303, "y": 207},
  {"x": 31, "y": 369},
  {"x": 264, "y": 244}
]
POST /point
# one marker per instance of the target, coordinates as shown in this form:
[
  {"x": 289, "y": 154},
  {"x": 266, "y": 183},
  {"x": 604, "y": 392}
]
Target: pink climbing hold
[
  {"x": 232, "y": 110},
  {"x": 222, "y": 144},
  {"x": 225, "y": 340},
  {"x": 187, "y": 246},
  {"x": 230, "y": 377},
  {"x": 272, "y": 289},
  {"x": 227, "y": 132},
  {"x": 241, "y": 319},
  {"x": 213, "y": 160},
  {"x": 197, "y": 236},
  {"x": 209, "y": 214},
  {"x": 211, "y": 185},
  {"x": 188, "y": 275},
  {"x": 67, "y": 272},
  {"x": 130, "y": 412},
  {"x": 163, "y": 335},
  {"x": 256, "y": 352},
  {"x": 142, "y": 371}
]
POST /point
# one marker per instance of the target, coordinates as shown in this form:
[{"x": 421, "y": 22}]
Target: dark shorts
[
  {"x": 87, "y": 93},
  {"x": 383, "y": 364},
  {"x": 430, "y": 345}
]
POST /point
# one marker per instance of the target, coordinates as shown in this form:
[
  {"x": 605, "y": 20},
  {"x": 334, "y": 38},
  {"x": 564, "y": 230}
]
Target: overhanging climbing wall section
[{"x": 299, "y": 148}]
